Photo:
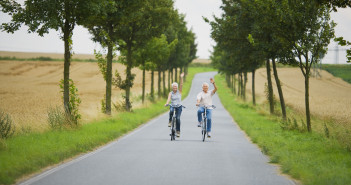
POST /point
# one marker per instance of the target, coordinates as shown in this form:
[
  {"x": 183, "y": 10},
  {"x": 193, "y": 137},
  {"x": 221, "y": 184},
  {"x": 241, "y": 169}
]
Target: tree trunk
[
  {"x": 244, "y": 88},
  {"x": 253, "y": 87},
  {"x": 143, "y": 91},
  {"x": 152, "y": 85},
  {"x": 186, "y": 72},
  {"x": 67, "y": 63},
  {"x": 232, "y": 82},
  {"x": 270, "y": 87},
  {"x": 239, "y": 84},
  {"x": 175, "y": 75},
  {"x": 164, "y": 83},
  {"x": 307, "y": 103},
  {"x": 159, "y": 83},
  {"x": 280, "y": 91},
  {"x": 109, "y": 75},
  {"x": 234, "y": 89},
  {"x": 169, "y": 80},
  {"x": 129, "y": 77},
  {"x": 227, "y": 78},
  {"x": 172, "y": 79}
]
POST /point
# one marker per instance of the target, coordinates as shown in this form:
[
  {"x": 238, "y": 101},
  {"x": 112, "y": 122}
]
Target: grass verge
[
  {"x": 24, "y": 154},
  {"x": 308, "y": 157}
]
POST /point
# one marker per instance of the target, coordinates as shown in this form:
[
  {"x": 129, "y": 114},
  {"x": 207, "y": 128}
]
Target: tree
[
  {"x": 183, "y": 51},
  {"x": 140, "y": 21},
  {"x": 103, "y": 29},
  {"x": 267, "y": 23},
  {"x": 311, "y": 33},
  {"x": 157, "y": 52},
  {"x": 232, "y": 54},
  {"x": 42, "y": 15}
]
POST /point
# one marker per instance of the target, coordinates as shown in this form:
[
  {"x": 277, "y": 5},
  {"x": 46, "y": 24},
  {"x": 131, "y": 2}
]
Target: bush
[
  {"x": 7, "y": 127},
  {"x": 72, "y": 114},
  {"x": 292, "y": 125},
  {"x": 56, "y": 117},
  {"x": 121, "y": 105}
]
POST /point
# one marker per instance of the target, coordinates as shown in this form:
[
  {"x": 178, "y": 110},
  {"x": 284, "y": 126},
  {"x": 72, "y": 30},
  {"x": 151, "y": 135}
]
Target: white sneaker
[
  {"x": 178, "y": 133},
  {"x": 209, "y": 134},
  {"x": 199, "y": 124}
]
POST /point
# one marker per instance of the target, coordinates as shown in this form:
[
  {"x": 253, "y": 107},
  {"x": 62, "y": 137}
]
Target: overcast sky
[{"x": 194, "y": 10}]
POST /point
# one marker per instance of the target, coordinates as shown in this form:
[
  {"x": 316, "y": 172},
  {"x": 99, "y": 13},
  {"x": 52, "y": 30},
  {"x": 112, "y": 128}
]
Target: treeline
[
  {"x": 250, "y": 34},
  {"x": 149, "y": 34}
]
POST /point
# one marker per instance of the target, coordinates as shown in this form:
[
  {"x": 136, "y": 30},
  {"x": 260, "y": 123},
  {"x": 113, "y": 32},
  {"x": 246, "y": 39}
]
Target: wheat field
[
  {"x": 330, "y": 97},
  {"x": 29, "y": 88}
]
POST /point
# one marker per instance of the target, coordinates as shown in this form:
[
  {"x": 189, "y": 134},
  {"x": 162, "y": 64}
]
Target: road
[{"x": 146, "y": 156}]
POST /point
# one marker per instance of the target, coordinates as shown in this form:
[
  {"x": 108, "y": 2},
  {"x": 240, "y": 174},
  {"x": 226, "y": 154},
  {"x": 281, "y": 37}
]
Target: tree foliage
[{"x": 292, "y": 32}]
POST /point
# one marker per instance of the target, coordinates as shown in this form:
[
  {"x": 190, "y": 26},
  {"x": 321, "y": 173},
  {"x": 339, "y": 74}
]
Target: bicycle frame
[
  {"x": 174, "y": 119},
  {"x": 204, "y": 125}
]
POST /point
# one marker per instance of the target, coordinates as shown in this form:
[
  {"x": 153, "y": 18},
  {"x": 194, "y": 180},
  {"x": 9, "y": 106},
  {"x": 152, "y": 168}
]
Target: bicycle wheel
[
  {"x": 204, "y": 127},
  {"x": 173, "y": 129}
]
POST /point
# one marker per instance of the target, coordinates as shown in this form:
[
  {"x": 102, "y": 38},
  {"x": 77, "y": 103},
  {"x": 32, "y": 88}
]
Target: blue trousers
[
  {"x": 209, "y": 116},
  {"x": 178, "y": 112}
]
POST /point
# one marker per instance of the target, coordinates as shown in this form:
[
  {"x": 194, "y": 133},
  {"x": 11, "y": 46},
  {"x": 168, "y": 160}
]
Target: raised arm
[
  {"x": 181, "y": 83},
  {"x": 214, "y": 85}
]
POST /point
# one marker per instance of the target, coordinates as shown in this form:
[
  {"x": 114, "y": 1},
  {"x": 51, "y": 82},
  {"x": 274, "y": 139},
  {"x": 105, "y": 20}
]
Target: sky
[{"x": 193, "y": 9}]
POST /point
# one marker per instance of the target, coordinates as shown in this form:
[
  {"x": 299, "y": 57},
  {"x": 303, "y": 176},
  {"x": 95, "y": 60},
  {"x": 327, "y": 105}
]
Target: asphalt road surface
[{"x": 147, "y": 156}]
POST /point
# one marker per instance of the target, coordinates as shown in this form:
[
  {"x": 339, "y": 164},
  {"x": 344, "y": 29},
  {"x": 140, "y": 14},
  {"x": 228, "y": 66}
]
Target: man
[{"x": 204, "y": 98}]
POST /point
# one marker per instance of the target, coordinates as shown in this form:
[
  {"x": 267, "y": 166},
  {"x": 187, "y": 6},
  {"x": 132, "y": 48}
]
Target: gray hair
[
  {"x": 205, "y": 84},
  {"x": 175, "y": 84}
]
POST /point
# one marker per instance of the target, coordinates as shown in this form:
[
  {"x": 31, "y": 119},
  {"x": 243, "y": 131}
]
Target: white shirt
[{"x": 205, "y": 98}]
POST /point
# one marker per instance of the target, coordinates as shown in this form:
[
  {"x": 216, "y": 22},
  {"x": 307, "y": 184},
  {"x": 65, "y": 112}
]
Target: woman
[{"x": 175, "y": 96}]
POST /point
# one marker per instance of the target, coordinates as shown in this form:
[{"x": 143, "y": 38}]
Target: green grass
[
  {"x": 308, "y": 157},
  {"x": 339, "y": 70},
  {"x": 24, "y": 154}
]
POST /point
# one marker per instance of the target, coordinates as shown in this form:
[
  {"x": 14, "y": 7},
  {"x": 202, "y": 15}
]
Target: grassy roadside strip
[
  {"x": 25, "y": 154},
  {"x": 308, "y": 157}
]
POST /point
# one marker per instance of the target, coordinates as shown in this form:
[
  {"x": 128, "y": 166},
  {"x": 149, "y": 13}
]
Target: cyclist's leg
[
  {"x": 171, "y": 109},
  {"x": 178, "y": 113},
  {"x": 199, "y": 114},
  {"x": 209, "y": 119}
]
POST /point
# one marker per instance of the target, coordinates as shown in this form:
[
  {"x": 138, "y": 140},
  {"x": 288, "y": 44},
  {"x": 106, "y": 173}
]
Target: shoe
[
  {"x": 169, "y": 124},
  {"x": 209, "y": 134},
  {"x": 199, "y": 124},
  {"x": 178, "y": 133}
]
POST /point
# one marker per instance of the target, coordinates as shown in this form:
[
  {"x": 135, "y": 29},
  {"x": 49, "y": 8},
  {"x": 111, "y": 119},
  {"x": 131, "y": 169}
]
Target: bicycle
[
  {"x": 174, "y": 120},
  {"x": 204, "y": 118}
]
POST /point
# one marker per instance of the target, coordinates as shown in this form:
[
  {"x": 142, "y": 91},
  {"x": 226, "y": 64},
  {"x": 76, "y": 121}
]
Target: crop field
[
  {"x": 29, "y": 88},
  {"x": 330, "y": 96},
  {"x": 26, "y": 55},
  {"x": 339, "y": 70}
]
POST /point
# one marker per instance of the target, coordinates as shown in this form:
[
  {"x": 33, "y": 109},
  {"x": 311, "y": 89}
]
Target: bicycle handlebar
[
  {"x": 175, "y": 106},
  {"x": 208, "y": 106}
]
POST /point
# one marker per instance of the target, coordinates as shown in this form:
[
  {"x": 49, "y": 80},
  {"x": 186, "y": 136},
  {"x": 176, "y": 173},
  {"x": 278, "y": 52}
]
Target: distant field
[
  {"x": 29, "y": 88},
  {"x": 202, "y": 61},
  {"x": 341, "y": 70},
  {"x": 330, "y": 97},
  {"x": 27, "y": 55}
]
